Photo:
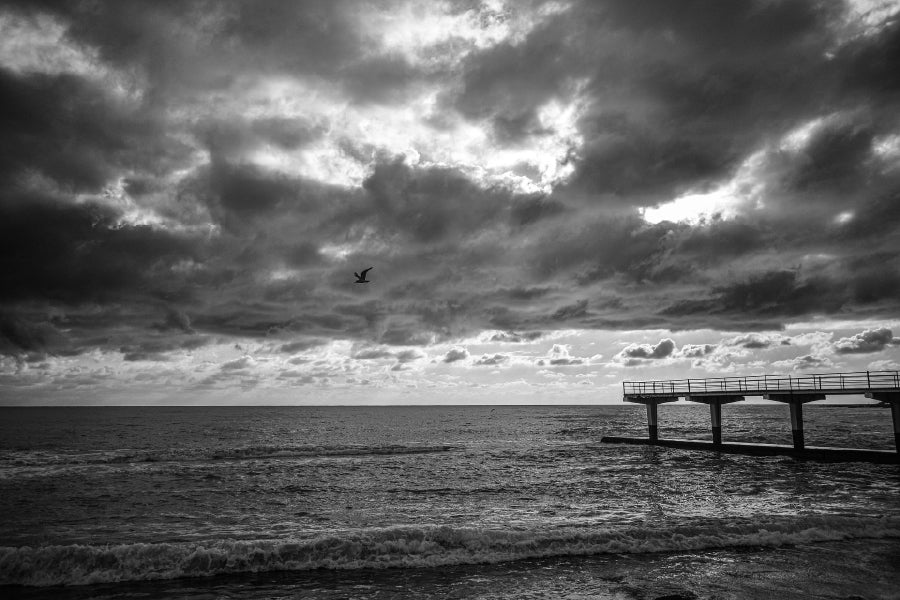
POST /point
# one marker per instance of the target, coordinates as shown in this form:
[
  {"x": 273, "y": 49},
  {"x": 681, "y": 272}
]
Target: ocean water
[{"x": 439, "y": 502}]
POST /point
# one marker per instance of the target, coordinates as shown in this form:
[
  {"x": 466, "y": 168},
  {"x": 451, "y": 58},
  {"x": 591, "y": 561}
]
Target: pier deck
[{"x": 863, "y": 382}]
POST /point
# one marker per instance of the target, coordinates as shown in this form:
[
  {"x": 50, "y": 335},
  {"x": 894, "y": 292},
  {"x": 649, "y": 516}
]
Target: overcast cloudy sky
[{"x": 555, "y": 197}]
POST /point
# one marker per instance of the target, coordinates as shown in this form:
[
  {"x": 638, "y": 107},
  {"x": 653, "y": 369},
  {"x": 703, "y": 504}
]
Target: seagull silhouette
[{"x": 361, "y": 277}]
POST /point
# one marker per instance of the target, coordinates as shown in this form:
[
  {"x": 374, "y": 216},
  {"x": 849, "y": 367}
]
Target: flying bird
[{"x": 361, "y": 277}]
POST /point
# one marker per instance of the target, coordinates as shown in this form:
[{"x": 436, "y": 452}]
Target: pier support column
[
  {"x": 895, "y": 415},
  {"x": 892, "y": 398},
  {"x": 715, "y": 411},
  {"x": 715, "y": 417},
  {"x": 796, "y": 402},
  {"x": 651, "y": 402},
  {"x": 797, "y": 424}
]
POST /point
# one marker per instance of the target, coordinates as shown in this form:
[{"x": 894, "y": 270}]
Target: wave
[
  {"x": 46, "y": 458},
  {"x": 410, "y": 547}
]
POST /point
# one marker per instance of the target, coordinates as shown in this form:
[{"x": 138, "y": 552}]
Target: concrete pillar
[
  {"x": 715, "y": 410},
  {"x": 651, "y": 421},
  {"x": 797, "y": 424},
  {"x": 795, "y": 401},
  {"x": 895, "y": 415},
  {"x": 651, "y": 402},
  {"x": 715, "y": 415}
]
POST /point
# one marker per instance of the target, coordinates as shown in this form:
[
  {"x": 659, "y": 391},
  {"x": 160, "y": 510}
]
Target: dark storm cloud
[
  {"x": 657, "y": 115},
  {"x": 177, "y": 319},
  {"x": 775, "y": 293},
  {"x": 182, "y": 46},
  {"x": 834, "y": 158},
  {"x": 72, "y": 131},
  {"x": 571, "y": 311},
  {"x": 159, "y": 349},
  {"x": 532, "y": 209},
  {"x": 670, "y": 99},
  {"x": 593, "y": 248},
  {"x": 430, "y": 204},
  {"x": 233, "y": 137},
  {"x": 507, "y": 84},
  {"x": 18, "y": 336},
  {"x": 52, "y": 249}
]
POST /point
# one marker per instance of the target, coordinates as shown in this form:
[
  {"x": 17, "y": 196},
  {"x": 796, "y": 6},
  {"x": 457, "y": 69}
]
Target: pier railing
[{"x": 835, "y": 383}]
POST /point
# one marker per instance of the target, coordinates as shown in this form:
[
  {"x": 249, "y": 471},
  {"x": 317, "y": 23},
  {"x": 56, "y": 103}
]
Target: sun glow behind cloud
[
  {"x": 416, "y": 126},
  {"x": 357, "y": 134},
  {"x": 437, "y": 33},
  {"x": 743, "y": 192},
  {"x": 754, "y": 179}
]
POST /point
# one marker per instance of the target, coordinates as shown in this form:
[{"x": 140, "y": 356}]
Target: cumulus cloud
[
  {"x": 513, "y": 337},
  {"x": 373, "y": 354},
  {"x": 456, "y": 354},
  {"x": 870, "y": 340},
  {"x": 559, "y": 356},
  {"x": 663, "y": 349},
  {"x": 406, "y": 356},
  {"x": 755, "y": 341},
  {"x": 300, "y": 345},
  {"x": 488, "y": 360},
  {"x": 696, "y": 350},
  {"x": 804, "y": 363}
]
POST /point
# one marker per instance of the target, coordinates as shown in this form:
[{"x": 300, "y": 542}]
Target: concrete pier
[{"x": 794, "y": 390}]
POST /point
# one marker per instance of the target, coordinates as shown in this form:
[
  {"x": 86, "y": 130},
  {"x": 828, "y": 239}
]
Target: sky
[{"x": 554, "y": 197}]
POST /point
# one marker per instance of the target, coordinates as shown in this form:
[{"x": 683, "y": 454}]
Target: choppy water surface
[{"x": 503, "y": 502}]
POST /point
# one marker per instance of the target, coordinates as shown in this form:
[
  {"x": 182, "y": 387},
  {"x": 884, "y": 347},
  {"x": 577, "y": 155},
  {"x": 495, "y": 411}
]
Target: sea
[{"x": 505, "y": 502}]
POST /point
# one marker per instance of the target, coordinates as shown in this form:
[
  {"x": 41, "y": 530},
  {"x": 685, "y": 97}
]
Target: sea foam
[{"x": 410, "y": 547}]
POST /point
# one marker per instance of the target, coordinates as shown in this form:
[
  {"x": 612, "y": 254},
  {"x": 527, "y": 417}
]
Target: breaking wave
[{"x": 409, "y": 547}]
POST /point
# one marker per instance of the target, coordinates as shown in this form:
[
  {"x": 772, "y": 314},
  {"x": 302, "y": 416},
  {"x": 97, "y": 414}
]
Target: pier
[{"x": 794, "y": 390}]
